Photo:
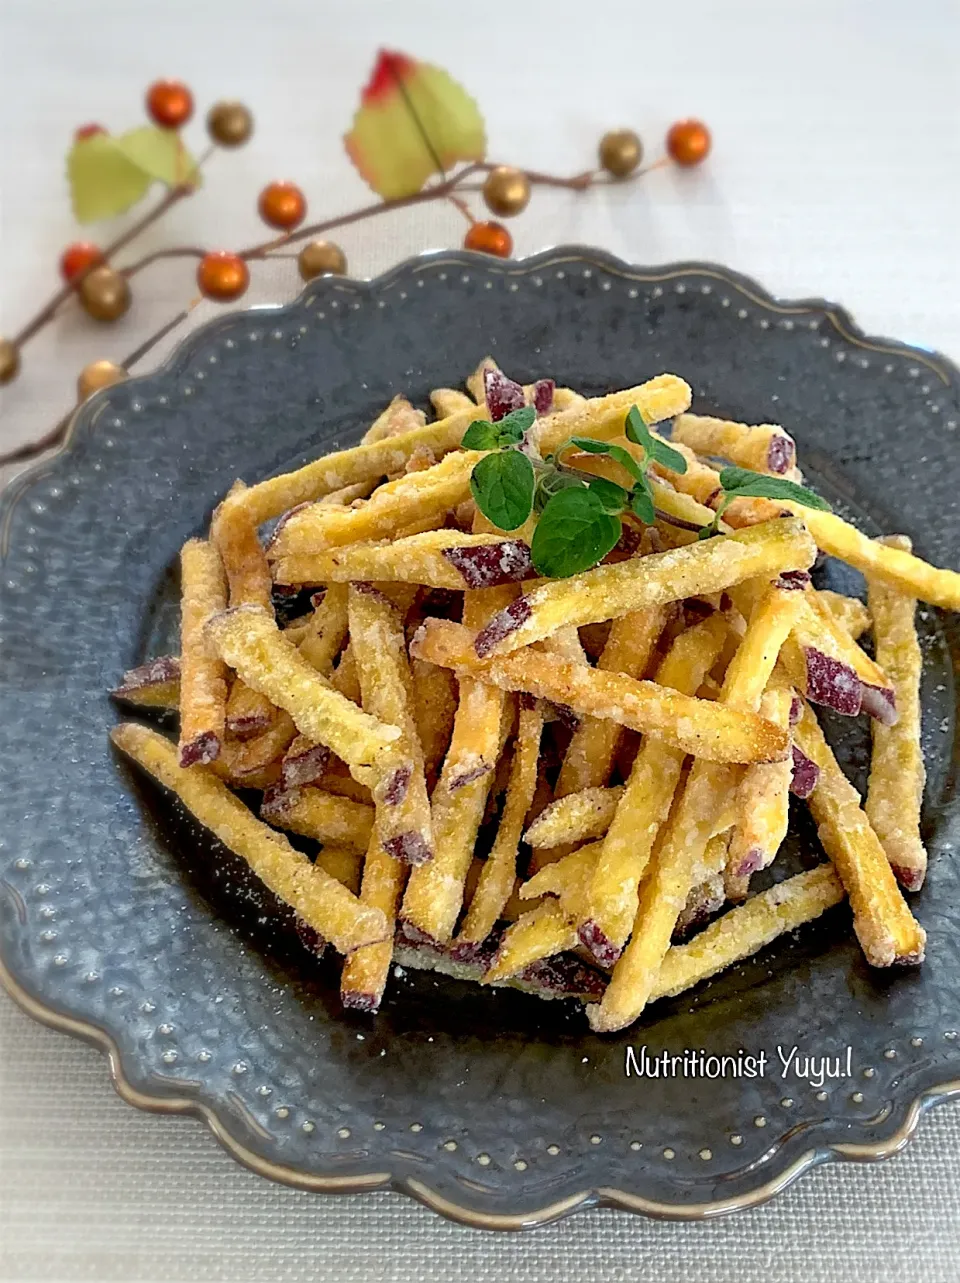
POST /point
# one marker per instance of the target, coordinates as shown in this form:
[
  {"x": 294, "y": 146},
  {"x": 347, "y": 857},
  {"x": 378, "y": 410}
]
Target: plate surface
[{"x": 121, "y": 924}]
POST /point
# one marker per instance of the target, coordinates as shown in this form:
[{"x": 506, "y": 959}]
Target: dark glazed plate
[{"x": 121, "y": 925}]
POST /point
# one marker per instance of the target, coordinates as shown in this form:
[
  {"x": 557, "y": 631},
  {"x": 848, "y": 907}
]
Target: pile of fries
[{"x": 564, "y": 785}]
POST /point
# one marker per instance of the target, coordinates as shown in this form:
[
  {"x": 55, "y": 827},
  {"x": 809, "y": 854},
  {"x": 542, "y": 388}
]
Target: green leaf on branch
[
  {"x": 510, "y": 430},
  {"x": 638, "y": 432},
  {"x": 615, "y": 452},
  {"x": 502, "y": 486},
  {"x": 757, "y": 485},
  {"x": 574, "y": 532},
  {"x": 161, "y": 155},
  {"x": 641, "y": 501},
  {"x": 613, "y": 497},
  {"x": 104, "y": 181}
]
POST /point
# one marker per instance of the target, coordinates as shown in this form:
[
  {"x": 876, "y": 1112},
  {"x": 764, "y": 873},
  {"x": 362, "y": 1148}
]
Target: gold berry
[
  {"x": 97, "y": 375},
  {"x": 229, "y": 123},
  {"x": 105, "y": 294},
  {"x": 321, "y": 258},
  {"x": 9, "y": 361},
  {"x": 222, "y": 276},
  {"x": 506, "y": 191},
  {"x": 688, "y": 142},
  {"x": 620, "y": 152}
]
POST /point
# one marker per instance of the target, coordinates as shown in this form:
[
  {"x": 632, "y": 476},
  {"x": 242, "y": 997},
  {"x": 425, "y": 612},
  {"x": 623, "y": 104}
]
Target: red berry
[
  {"x": 79, "y": 258},
  {"x": 222, "y": 276},
  {"x": 169, "y": 103},
  {"x": 282, "y": 205},
  {"x": 489, "y": 238},
  {"x": 87, "y": 131},
  {"x": 688, "y": 142}
]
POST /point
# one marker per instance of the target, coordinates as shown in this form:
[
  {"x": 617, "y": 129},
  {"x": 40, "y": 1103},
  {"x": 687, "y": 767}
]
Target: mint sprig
[
  {"x": 510, "y": 430},
  {"x": 737, "y": 483},
  {"x": 502, "y": 486}
]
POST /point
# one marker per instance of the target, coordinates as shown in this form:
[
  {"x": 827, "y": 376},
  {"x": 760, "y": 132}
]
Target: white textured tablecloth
[{"x": 836, "y": 172}]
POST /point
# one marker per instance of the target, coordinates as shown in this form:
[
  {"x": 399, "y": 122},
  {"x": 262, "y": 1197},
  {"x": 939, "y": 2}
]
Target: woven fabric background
[{"x": 836, "y": 172}]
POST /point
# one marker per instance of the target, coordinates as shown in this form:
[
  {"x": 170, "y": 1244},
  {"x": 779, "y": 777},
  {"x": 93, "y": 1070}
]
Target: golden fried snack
[
  {"x": 400, "y": 793},
  {"x": 695, "y": 726},
  {"x": 609, "y": 591},
  {"x": 326, "y": 630},
  {"x": 568, "y": 879},
  {"x": 849, "y": 612},
  {"x": 744, "y": 931},
  {"x": 235, "y": 536},
  {"x": 499, "y": 873},
  {"x": 344, "y": 678},
  {"x": 240, "y": 760},
  {"x": 643, "y": 809},
  {"x": 575, "y": 817},
  {"x": 895, "y": 566},
  {"x": 897, "y": 772},
  {"x": 345, "y": 496},
  {"x": 434, "y": 894},
  {"x": 602, "y": 417},
  {"x": 399, "y": 416},
  {"x": 685, "y": 855},
  {"x": 434, "y": 708},
  {"x": 248, "y": 639},
  {"x": 155, "y": 684},
  {"x": 702, "y": 903},
  {"x": 364, "y": 975},
  {"x": 539, "y": 933},
  {"x": 343, "y": 864},
  {"x": 449, "y": 401},
  {"x": 319, "y": 814},
  {"x": 248, "y": 713},
  {"x": 203, "y": 677},
  {"x": 764, "y": 447},
  {"x": 436, "y": 558},
  {"x": 885, "y": 927},
  {"x": 763, "y": 800},
  {"x": 592, "y": 751},
  {"x": 320, "y": 900},
  {"x": 419, "y": 497}
]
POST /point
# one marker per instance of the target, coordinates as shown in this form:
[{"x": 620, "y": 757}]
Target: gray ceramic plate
[{"x": 121, "y": 924}]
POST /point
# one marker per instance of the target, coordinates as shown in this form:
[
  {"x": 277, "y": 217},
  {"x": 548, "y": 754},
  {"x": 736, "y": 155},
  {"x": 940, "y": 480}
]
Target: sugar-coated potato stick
[
  {"x": 702, "y": 727},
  {"x": 887, "y": 931},
  {"x": 763, "y": 800},
  {"x": 685, "y": 855},
  {"x": 878, "y": 697},
  {"x": 449, "y": 401},
  {"x": 702, "y": 903},
  {"x": 897, "y": 772},
  {"x": 248, "y": 712},
  {"x": 591, "y": 753},
  {"x": 320, "y": 900},
  {"x": 609, "y": 591},
  {"x": 602, "y": 417},
  {"x": 414, "y": 497},
  {"x": 568, "y": 879},
  {"x": 304, "y": 762},
  {"x": 379, "y": 647},
  {"x": 248, "y": 639},
  {"x": 364, "y": 975},
  {"x": 645, "y": 804},
  {"x": 849, "y": 612},
  {"x": 362, "y": 463},
  {"x": 434, "y": 894},
  {"x": 745, "y": 930},
  {"x": 575, "y": 817},
  {"x": 155, "y": 684},
  {"x": 474, "y": 382},
  {"x": 203, "y": 679},
  {"x": 321, "y": 815},
  {"x": 342, "y": 863},
  {"x": 434, "y": 708},
  {"x": 235, "y": 535},
  {"x": 336, "y": 779},
  {"x": 345, "y": 496},
  {"x": 499, "y": 873},
  {"x": 399, "y": 416},
  {"x": 763, "y": 447},
  {"x": 898, "y": 568},
  {"x": 436, "y": 558},
  {"x": 326, "y": 630},
  {"x": 539, "y": 933},
  {"x": 238, "y": 760}
]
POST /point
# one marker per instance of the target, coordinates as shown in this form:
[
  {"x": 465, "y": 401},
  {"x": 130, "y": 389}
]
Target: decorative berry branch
[{"x": 416, "y": 137}]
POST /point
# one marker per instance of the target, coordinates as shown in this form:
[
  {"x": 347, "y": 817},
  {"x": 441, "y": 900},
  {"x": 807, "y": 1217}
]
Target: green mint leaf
[
  {"x": 574, "y": 533},
  {"x": 481, "y": 435},
  {"x": 551, "y": 481},
  {"x": 641, "y": 502},
  {"x": 616, "y": 452},
  {"x": 613, "y": 497},
  {"x": 638, "y": 432},
  {"x": 626, "y": 460},
  {"x": 502, "y": 485},
  {"x": 513, "y": 425},
  {"x": 756, "y": 485},
  {"x": 589, "y": 444}
]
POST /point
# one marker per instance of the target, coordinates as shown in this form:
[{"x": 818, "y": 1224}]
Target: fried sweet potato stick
[
  {"x": 414, "y": 497},
  {"x": 764, "y": 447},
  {"x": 320, "y": 900},
  {"x": 343, "y": 864},
  {"x": 591, "y": 753},
  {"x": 568, "y": 879},
  {"x": 685, "y": 854},
  {"x": 897, "y": 773},
  {"x": 610, "y": 591},
  {"x": 248, "y": 713},
  {"x": 702, "y": 727},
  {"x": 155, "y": 684},
  {"x": 763, "y": 800},
  {"x": 449, "y": 401},
  {"x": 364, "y": 975},
  {"x": 645, "y": 804},
  {"x": 434, "y": 708},
  {"x": 203, "y": 682},
  {"x": 400, "y": 793},
  {"x": 249, "y": 641},
  {"x": 602, "y": 417},
  {"x": 240, "y": 760},
  {"x": 399, "y": 416},
  {"x": 436, "y": 558},
  {"x": 318, "y": 814},
  {"x": 849, "y": 612},
  {"x": 576, "y": 817},
  {"x": 745, "y": 930},
  {"x": 235, "y": 536},
  {"x": 499, "y": 873},
  {"x": 326, "y": 630},
  {"x": 885, "y": 927},
  {"x": 539, "y": 933}
]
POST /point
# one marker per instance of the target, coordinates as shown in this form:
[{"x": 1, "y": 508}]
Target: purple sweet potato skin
[
  {"x": 806, "y": 773},
  {"x": 793, "y": 579},
  {"x": 200, "y": 750},
  {"x": 409, "y": 848},
  {"x": 491, "y": 565},
  {"x": 502, "y": 394},
  {"x": 781, "y": 453},
  {"x": 395, "y": 787},
  {"x": 304, "y": 768},
  {"x": 468, "y": 777},
  {"x": 880, "y": 702},
  {"x": 599, "y": 944},
  {"x": 832, "y": 683},
  {"x": 543, "y": 391},
  {"x": 501, "y": 626},
  {"x": 165, "y": 668}
]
